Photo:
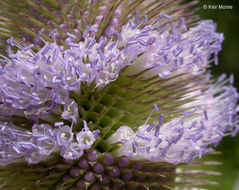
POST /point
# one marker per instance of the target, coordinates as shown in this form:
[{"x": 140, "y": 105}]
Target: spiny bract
[{"x": 109, "y": 94}]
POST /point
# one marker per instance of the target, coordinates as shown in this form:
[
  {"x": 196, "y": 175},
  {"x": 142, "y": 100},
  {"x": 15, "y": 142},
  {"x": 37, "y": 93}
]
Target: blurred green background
[{"x": 228, "y": 23}]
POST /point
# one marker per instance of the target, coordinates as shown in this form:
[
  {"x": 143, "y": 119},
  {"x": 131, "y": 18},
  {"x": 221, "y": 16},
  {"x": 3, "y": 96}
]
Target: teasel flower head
[{"x": 109, "y": 95}]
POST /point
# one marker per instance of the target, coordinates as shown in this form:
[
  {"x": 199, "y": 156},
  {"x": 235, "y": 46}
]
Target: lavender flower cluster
[
  {"x": 37, "y": 145},
  {"x": 38, "y": 84},
  {"x": 188, "y": 136}
]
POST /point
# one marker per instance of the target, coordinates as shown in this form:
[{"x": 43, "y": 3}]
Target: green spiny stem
[
  {"x": 65, "y": 18},
  {"x": 106, "y": 20},
  {"x": 43, "y": 10},
  {"x": 76, "y": 10},
  {"x": 91, "y": 12},
  {"x": 53, "y": 3},
  {"x": 129, "y": 9}
]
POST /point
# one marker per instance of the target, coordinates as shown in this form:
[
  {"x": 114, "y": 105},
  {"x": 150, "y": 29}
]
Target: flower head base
[{"x": 78, "y": 99}]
